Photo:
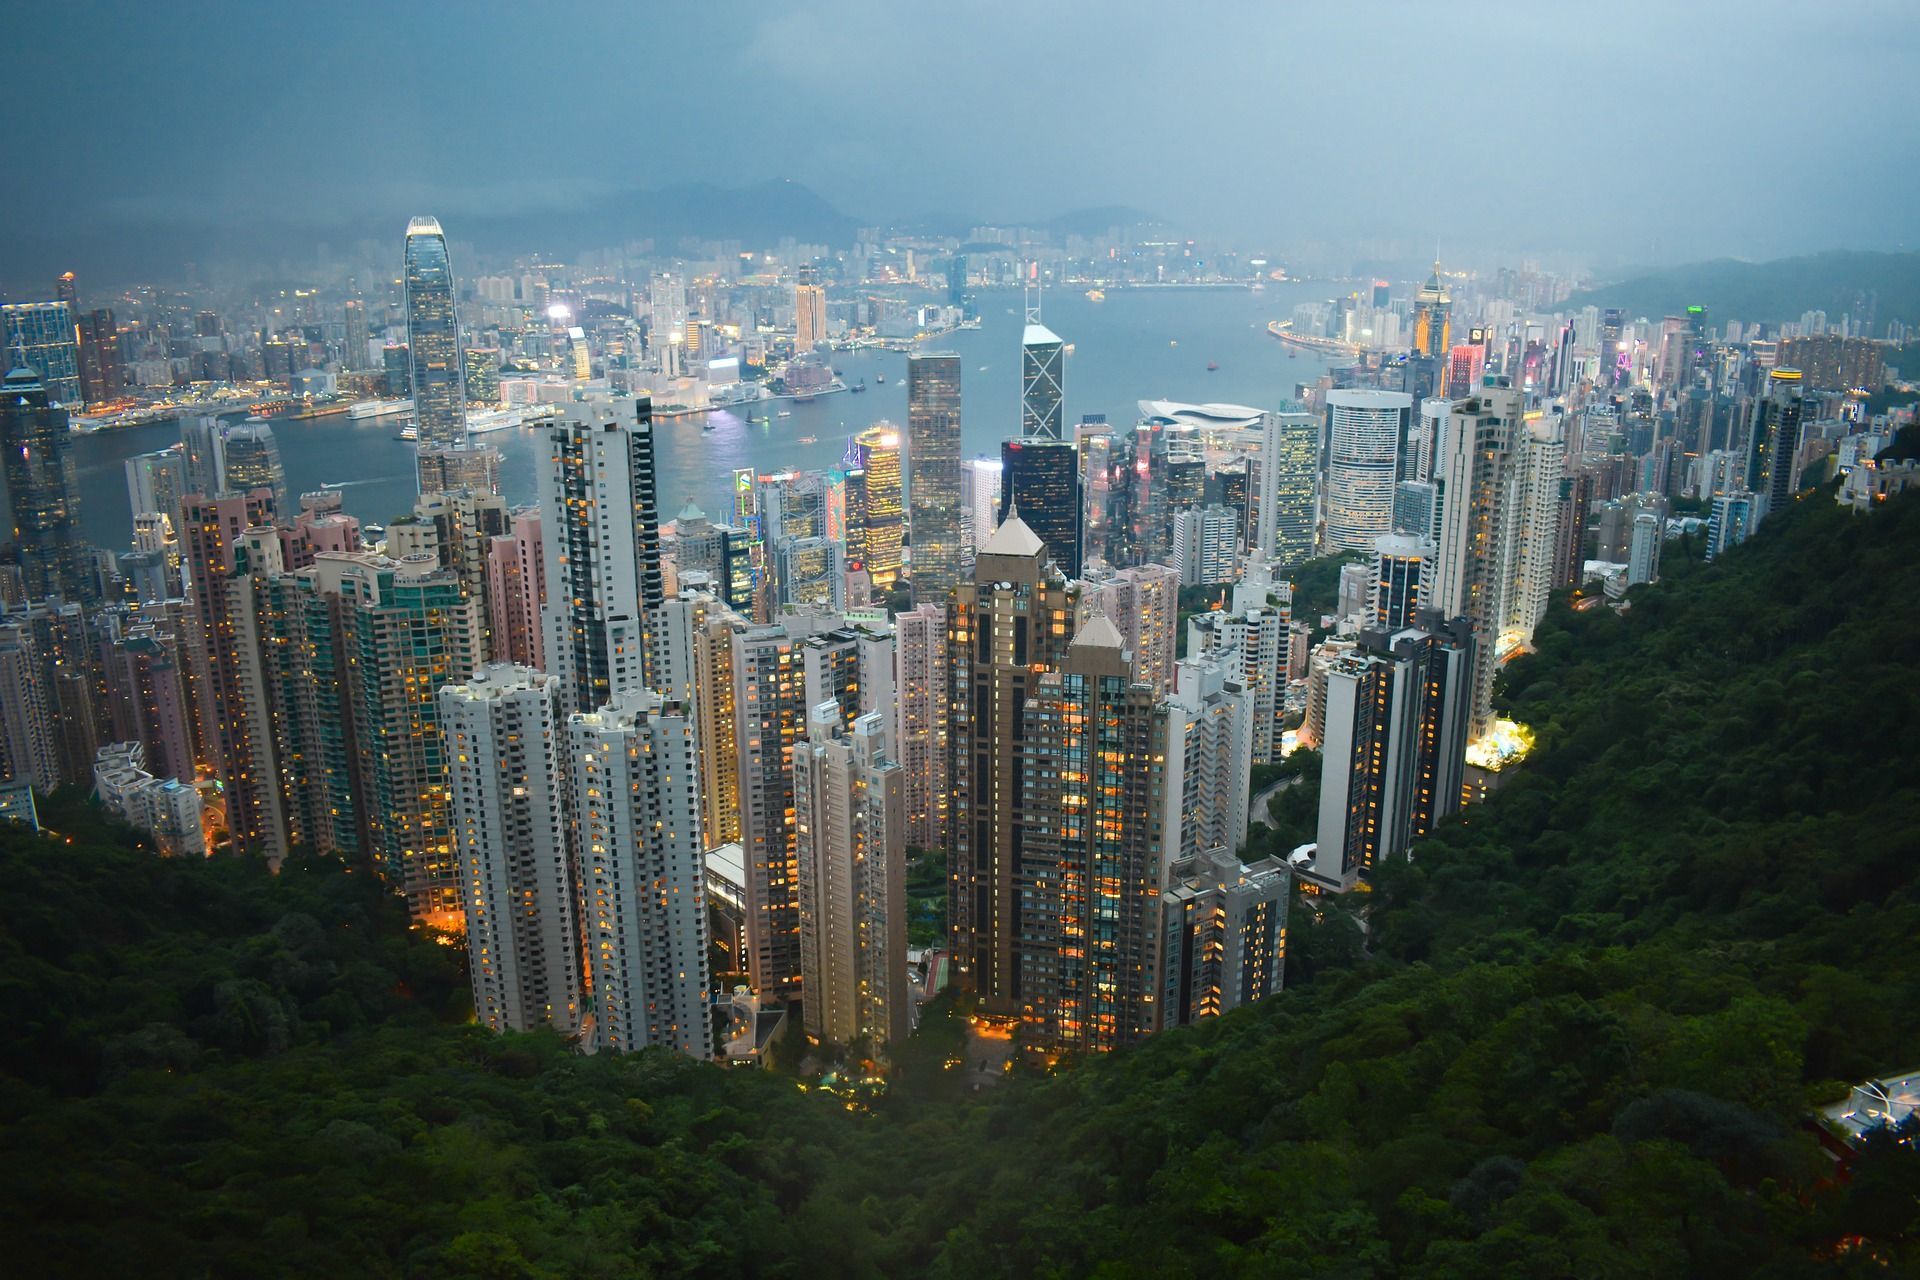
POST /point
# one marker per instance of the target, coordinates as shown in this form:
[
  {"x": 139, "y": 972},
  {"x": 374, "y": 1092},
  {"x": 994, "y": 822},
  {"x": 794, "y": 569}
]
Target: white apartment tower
[{"x": 506, "y": 773}]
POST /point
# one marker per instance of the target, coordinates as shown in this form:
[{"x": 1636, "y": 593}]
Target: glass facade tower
[{"x": 433, "y": 337}]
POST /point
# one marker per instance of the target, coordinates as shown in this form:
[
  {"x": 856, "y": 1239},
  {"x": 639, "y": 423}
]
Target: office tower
[
  {"x": 636, "y": 825},
  {"x": 933, "y": 474},
  {"x": 1432, "y": 318},
  {"x": 920, "y": 721},
  {"x": 1105, "y": 471},
  {"x": 211, "y": 532},
  {"x": 1364, "y": 433},
  {"x": 1773, "y": 441},
  {"x": 1087, "y": 854},
  {"x": 981, "y": 484},
  {"x": 1012, "y": 622},
  {"x": 396, "y": 371},
  {"x": 43, "y": 492},
  {"x": 517, "y": 592},
  {"x": 1474, "y": 562},
  {"x": 1282, "y": 481},
  {"x": 811, "y": 572},
  {"x": 809, "y": 310},
  {"x": 1223, "y": 935},
  {"x": 1040, "y": 477},
  {"x": 156, "y": 483},
  {"x": 601, "y": 532},
  {"x": 723, "y": 552},
  {"x": 353, "y": 354},
  {"x": 850, "y": 838},
  {"x": 1206, "y": 545},
  {"x": 1043, "y": 374},
  {"x": 1643, "y": 553},
  {"x": 1830, "y": 362},
  {"x": 1731, "y": 521},
  {"x": 29, "y": 751},
  {"x": 1143, "y": 603},
  {"x": 252, "y": 461},
  {"x": 451, "y": 468},
  {"x": 1393, "y": 746},
  {"x": 1208, "y": 753},
  {"x": 482, "y": 372},
  {"x": 1253, "y": 642},
  {"x": 1614, "y": 361},
  {"x": 1466, "y": 363},
  {"x": 436, "y": 372},
  {"x": 203, "y": 457},
  {"x": 880, "y": 525},
  {"x": 506, "y": 777},
  {"x": 40, "y": 336},
  {"x": 1395, "y": 591}
]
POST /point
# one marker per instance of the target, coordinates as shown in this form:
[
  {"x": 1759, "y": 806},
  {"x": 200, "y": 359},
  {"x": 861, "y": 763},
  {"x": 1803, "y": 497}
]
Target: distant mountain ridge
[{"x": 1782, "y": 289}]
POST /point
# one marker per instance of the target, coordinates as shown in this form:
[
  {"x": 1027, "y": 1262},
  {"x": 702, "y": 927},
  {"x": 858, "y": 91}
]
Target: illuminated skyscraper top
[
  {"x": 1432, "y": 317},
  {"x": 1042, "y": 381},
  {"x": 433, "y": 337}
]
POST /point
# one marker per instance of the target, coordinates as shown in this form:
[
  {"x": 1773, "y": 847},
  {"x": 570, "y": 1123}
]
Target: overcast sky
[{"x": 1650, "y": 131}]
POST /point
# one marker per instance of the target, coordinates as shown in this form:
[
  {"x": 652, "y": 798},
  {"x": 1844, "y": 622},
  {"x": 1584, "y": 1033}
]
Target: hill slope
[
  {"x": 1772, "y": 291},
  {"x": 1594, "y": 1013}
]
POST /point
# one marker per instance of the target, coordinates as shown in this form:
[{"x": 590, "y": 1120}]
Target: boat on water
[
  {"x": 879, "y": 377},
  {"x": 1096, "y": 295},
  {"x": 408, "y": 433},
  {"x": 808, "y": 440},
  {"x": 786, "y": 413},
  {"x": 1212, "y": 367},
  {"x": 707, "y": 425},
  {"x": 858, "y": 387},
  {"x": 378, "y": 408}
]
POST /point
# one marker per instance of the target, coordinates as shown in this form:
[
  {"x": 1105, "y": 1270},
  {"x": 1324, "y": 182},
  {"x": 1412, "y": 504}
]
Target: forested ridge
[{"x": 1579, "y": 1039}]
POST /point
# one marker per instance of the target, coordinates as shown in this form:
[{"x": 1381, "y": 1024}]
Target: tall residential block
[
  {"x": 506, "y": 775},
  {"x": 933, "y": 474},
  {"x": 920, "y": 721}
]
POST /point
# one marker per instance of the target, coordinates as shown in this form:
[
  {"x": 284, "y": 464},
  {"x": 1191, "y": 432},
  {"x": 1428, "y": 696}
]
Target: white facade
[
  {"x": 1206, "y": 545},
  {"x": 1364, "y": 431},
  {"x": 506, "y": 777},
  {"x": 636, "y": 817},
  {"x": 1477, "y": 487},
  {"x": 849, "y": 820},
  {"x": 979, "y": 500},
  {"x": 1259, "y": 637},
  {"x": 1209, "y": 765}
]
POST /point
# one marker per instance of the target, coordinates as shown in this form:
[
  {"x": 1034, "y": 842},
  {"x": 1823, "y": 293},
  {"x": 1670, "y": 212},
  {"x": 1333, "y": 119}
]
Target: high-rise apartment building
[
  {"x": 1396, "y": 593},
  {"x": 933, "y": 474},
  {"x": 635, "y": 816},
  {"x": 600, "y": 526},
  {"x": 850, "y": 828},
  {"x": 437, "y": 373},
  {"x": 251, "y": 460},
  {"x": 457, "y": 468},
  {"x": 1730, "y": 523},
  {"x": 1143, "y": 603},
  {"x": 1474, "y": 566},
  {"x": 1773, "y": 441},
  {"x": 156, "y": 482},
  {"x": 809, "y": 310},
  {"x": 1364, "y": 433},
  {"x": 1223, "y": 935},
  {"x": 1394, "y": 745},
  {"x": 1208, "y": 761},
  {"x": 1087, "y": 853},
  {"x": 506, "y": 752},
  {"x": 517, "y": 592},
  {"x": 1251, "y": 641},
  {"x": 1206, "y": 545},
  {"x": 1009, "y": 625},
  {"x": 920, "y": 721},
  {"x": 43, "y": 493}
]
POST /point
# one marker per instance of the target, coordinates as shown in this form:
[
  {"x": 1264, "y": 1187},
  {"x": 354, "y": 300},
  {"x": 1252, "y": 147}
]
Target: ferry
[
  {"x": 483, "y": 421},
  {"x": 408, "y": 433},
  {"x": 808, "y": 440},
  {"x": 378, "y": 408},
  {"x": 1096, "y": 295},
  {"x": 879, "y": 377},
  {"x": 786, "y": 413},
  {"x": 858, "y": 387}
]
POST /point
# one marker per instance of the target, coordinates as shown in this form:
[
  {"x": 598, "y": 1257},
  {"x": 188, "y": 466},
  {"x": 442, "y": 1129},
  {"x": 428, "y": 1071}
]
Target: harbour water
[{"x": 1137, "y": 344}]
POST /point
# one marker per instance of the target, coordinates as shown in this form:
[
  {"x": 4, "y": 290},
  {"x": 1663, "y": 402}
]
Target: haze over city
[{"x": 970, "y": 640}]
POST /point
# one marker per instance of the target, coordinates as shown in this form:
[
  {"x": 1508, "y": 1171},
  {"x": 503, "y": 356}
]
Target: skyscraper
[
  {"x": 1042, "y": 382},
  {"x": 981, "y": 484},
  {"x": 1087, "y": 853},
  {"x": 433, "y": 337},
  {"x": 933, "y": 473},
  {"x": 1223, "y": 940},
  {"x": 1773, "y": 441},
  {"x": 41, "y": 336},
  {"x": 1252, "y": 642},
  {"x": 601, "y": 529},
  {"x": 1398, "y": 583},
  {"x": 1285, "y": 467},
  {"x": 1005, "y": 628},
  {"x": 1432, "y": 317},
  {"x": 517, "y": 592},
  {"x": 642, "y": 859},
  {"x": 879, "y": 527},
  {"x": 1040, "y": 476},
  {"x": 1365, "y": 430},
  {"x": 1143, "y": 603},
  {"x": 920, "y": 720},
  {"x": 1477, "y": 487},
  {"x": 44, "y": 524},
  {"x": 849, "y": 822},
  {"x": 251, "y": 460},
  {"x": 1206, "y": 545},
  {"x": 809, "y": 310},
  {"x": 353, "y": 354},
  {"x": 507, "y": 760},
  {"x": 156, "y": 482},
  {"x": 1393, "y": 745}
]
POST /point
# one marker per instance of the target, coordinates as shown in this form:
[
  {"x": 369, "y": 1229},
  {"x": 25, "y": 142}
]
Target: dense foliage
[{"x": 1578, "y": 1038}]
